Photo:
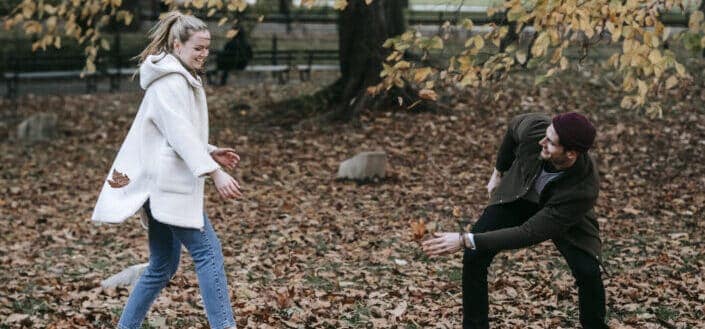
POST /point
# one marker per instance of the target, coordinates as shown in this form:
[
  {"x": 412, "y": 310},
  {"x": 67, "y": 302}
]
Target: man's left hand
[
  {"x": 226, "y": 157},
  {"x": 444, "y": 243}
]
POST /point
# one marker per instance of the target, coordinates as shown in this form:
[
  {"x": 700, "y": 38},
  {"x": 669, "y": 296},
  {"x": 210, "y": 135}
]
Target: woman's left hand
[
  {"x": 444, "y": 243},
  {"x": 226, "y": 157}
]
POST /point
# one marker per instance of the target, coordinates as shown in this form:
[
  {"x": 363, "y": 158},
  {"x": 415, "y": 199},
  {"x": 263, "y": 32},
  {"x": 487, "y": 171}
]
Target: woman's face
[{"x": 195, "y": 50}]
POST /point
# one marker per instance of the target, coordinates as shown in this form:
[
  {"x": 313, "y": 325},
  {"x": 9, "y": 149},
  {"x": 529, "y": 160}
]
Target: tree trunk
[
  {"x": 362, "y": 30},
  {"x": 702, "y": 9}
]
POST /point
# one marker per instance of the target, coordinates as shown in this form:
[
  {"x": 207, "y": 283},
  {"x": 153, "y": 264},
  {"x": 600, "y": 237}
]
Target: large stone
[
  {"x": 365, "y": 165},
  {"x": 38, "y": 127}
]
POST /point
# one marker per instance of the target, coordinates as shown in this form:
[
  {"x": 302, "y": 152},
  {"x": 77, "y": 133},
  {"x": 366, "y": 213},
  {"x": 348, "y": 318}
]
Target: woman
[{"x": 161, "y": 168}]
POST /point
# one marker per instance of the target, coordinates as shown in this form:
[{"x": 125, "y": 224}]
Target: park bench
[
  {"x": 52, "y": 67},
  {"x": 276, "y": 62},
  {"x": 328, "y": 55}
]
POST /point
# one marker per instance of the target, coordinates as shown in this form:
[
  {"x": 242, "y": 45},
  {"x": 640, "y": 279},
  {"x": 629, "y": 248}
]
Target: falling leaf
[{"x": 418, "y": 229}]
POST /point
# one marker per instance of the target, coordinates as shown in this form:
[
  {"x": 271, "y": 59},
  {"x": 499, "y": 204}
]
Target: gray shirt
[{"x": 540, "y": 183}]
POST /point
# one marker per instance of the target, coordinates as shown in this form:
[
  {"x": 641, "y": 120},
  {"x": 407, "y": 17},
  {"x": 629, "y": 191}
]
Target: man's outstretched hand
[{"x": 444, "y": 243}]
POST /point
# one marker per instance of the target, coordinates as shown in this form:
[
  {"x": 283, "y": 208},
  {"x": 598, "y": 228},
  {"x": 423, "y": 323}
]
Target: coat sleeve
[
  {"x": 523, "y": 128},
  {"x": 550, "y": 222},
  {"x": 170, "y": 114}
]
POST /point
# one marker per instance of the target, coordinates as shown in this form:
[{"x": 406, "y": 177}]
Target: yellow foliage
[
  {"x": 421, "y": 74},
  {"x": 231, "y": 33},
  {"x": 340, "y": 4}
]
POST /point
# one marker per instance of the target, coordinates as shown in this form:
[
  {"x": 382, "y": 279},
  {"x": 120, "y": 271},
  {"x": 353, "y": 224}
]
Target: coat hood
[{"x": 157, "y": 66}]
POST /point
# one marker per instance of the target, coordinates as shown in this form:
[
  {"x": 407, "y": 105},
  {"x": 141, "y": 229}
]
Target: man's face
[
  {"x": 195, "y": 50},
  {"x": 552, "y": 149}
]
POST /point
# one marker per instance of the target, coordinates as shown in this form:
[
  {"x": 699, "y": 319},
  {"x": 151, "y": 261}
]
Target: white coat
[{"x": 166, "y": 152}]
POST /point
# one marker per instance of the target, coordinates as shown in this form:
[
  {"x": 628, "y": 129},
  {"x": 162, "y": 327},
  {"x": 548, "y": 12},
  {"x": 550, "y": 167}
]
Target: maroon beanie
[{"x": 575, "y": 132}]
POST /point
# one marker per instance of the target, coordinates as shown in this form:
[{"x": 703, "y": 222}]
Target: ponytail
[{"x": 172, "y": 26}]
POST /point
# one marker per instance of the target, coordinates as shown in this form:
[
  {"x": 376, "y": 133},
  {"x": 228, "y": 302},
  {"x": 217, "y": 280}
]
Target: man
[{"x": 544, "y": 186}]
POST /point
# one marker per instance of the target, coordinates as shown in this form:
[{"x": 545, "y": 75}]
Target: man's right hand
[
  {"x": 494, "y": 182},
  {"x": 227, "y": 186}
]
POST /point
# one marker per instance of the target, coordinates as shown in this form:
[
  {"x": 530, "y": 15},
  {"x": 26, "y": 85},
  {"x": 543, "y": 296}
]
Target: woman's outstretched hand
[
  {"x": 226, "y": 157},
  {"x": 226, "y": 185}
]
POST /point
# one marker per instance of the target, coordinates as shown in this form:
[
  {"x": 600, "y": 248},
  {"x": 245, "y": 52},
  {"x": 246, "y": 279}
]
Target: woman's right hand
[{"x": 226, "y": 185}]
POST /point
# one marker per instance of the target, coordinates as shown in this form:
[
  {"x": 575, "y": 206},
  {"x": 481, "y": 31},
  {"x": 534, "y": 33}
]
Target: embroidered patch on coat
[{"x": 119, "y": 180}]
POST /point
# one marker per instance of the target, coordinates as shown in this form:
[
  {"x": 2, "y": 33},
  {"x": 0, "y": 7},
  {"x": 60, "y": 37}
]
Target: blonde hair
[{"x": 172, "y": 26}]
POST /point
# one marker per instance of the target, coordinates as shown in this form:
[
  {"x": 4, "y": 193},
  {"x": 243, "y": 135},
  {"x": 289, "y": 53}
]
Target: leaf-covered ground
[{"x": 306, "y": 251}]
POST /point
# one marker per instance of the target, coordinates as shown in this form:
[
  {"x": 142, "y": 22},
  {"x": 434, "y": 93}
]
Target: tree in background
[{"x": 374, "y": 61}]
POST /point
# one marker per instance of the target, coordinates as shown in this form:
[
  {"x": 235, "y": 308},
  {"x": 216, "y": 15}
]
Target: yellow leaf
[
  {"x": 105, "y": 44},
  {"x": 654, "y": 110},
  {"x": 57, "y": 42},
  {"x": 671, "y": 82},
  {"x": 368, "y": 2},
  {"x": 680, "y": 69},
  {"x": 402, "y": 65},
  {"x": 540, "y": 45},
  {"x": 198, "y": 4},
  {"x": 655, "y": 56},
  {"x": 695, "y": 19},
  {"x": 643, "y": 88},
  {"x": 49, "y": 9},
  {"x": 116, "y": 3},
  {"x": 32, "y": 27},
  {"x": 492, "y": 10},
  {"x": 421, "y": 74},
  {"x": 90, "y": 66},
  {"x": 340, "y": 4},
  {"x": 436, "y": 43},
  {"x": 231, "y": 33},
  {"x": 521, "y": 56},
  {"x": 308, "y": 3},
  {"x": 428, "y": 94},
  {"x": 238, "y": 5},
  {"x": 28, "y": 9},
  {"x": 51, "y": 23},
  {"x": 222, "y": 21},
  {"x": 628, "y": 102},
  {"x": 211, "y": 12},
  {"x": 564, "y": 63},
  {"x": 467, "y": 24},
  {"x": 479, "y": 42}
]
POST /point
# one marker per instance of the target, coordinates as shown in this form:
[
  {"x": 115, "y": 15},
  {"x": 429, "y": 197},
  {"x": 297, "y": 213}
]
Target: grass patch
[{"x": 318, "y": 282}]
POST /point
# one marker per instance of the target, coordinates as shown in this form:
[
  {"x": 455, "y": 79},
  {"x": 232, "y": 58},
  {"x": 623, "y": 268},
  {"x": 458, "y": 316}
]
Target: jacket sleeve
[
  {"x": 550, "y": 222},
  {"x": 523, "y": 128},
  {"x": 169, "y": 103}
]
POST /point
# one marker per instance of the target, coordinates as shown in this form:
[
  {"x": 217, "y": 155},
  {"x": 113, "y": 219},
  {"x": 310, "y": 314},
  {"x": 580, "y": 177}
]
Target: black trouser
[{"x": 585, "y": 269}]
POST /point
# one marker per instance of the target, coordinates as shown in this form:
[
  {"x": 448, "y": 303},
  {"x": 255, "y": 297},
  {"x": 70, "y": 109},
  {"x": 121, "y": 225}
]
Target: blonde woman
[{"x": 161, "y": 168}]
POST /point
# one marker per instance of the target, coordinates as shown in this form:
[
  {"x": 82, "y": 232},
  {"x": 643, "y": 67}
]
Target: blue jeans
[{"x": 165, "y": 250}]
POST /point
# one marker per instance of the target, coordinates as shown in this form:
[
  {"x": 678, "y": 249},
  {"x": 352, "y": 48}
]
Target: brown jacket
[{"x": 566, "y": 202}]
